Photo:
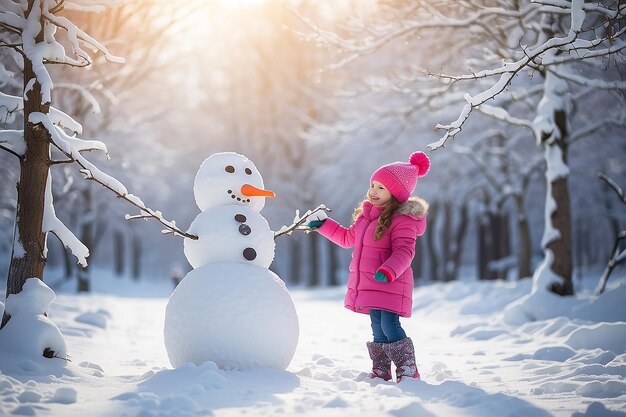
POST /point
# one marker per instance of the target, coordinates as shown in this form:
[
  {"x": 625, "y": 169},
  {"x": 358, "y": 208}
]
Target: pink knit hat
[{"x": 400, "y": 178}]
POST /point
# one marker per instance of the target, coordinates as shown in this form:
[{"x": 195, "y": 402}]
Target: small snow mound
[
  {"x": 93, "y": 318},
  {"x": 388, "y": 391},
  {"x": 597, "y": 409},
  {"x": 64, "y": 395},
  {"x": 606, "y": 389},
  {"x": 325, "y": 362},
  {"x": 91, "y": 365},
  {"x": 178, "y": 402},
  {"x": 29, "y": 396},
  {"x": 606, "y": 336},
  {"x": 24, "y": 410},
  {"x": 411, "y": 410},
  {"x": 347, "y": 385},
  {"x": 554, "y": 353},
  {"x": 336, "y": 402},
  {"x": 30, "y": 333}
]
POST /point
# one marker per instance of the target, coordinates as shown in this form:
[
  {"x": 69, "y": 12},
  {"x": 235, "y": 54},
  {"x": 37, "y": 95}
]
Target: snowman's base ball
[{"x": 236, "y": 315}]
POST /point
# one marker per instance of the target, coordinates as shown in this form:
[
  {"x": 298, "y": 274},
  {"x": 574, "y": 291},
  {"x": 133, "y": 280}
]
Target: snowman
[{"x": 231, "y": 309}]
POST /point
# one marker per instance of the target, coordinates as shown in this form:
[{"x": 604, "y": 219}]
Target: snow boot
[
  {"x": 381, "y": 364},
  {"x": 402, "y": 353}
]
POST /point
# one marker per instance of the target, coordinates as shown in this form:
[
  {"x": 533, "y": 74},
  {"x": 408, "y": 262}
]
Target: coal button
[
  {"x": 249, "y": 254},
  {"x": 244, "y": 229}
]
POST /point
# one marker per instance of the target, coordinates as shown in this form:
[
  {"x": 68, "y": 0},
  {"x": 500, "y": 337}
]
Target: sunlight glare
[{"x": 239, "y": 4}]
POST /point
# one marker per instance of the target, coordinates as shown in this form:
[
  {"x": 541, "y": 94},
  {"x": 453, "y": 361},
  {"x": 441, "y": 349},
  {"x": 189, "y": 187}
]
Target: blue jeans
[{"x": 386, "y": 326}]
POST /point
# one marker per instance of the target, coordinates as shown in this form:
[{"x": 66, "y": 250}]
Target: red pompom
[{"x": 421, "y": 161}]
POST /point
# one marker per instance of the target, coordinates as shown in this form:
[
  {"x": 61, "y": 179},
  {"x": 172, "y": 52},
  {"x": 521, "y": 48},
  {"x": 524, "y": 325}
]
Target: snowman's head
[{"x": 229, "y": 178}]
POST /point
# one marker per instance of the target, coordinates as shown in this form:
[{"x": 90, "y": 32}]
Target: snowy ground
[{"x": 472, "y": 363}]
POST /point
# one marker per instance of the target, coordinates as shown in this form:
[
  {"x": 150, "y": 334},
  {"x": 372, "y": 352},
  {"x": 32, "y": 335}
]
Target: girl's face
[{"x": 378, "y": 195}]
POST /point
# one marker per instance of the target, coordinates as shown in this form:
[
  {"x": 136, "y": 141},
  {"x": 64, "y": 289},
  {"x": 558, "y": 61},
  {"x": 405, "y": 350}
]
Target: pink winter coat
[{"x": 393, "y": 253}]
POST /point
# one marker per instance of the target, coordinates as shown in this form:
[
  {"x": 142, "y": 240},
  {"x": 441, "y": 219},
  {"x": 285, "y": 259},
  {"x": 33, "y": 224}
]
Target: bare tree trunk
[
  {"x": 136, "y": 257},
  {"x": 118, "y": 252},
  {"x": 28, "y": 255},
  {"x": 447, "y": 241},
  {"x": 487, "y": 245},
  {"x": 524, "y": 251},
  {"x": 459, "y": 239},
  {"x": 86, "y": 236},
  {"x": 430, "y": 240},
  {"x": 67, "y": 263},
  {"x": 502, "y": 241}
]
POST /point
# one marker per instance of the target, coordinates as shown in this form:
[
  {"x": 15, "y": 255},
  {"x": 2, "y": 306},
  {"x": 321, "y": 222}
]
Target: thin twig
[
  {"x": 614, "y": 186},
  {"x": 301, "y": 219}
]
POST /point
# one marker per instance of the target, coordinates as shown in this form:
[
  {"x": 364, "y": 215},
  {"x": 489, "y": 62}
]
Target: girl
[{"x": 380, "y": 284}]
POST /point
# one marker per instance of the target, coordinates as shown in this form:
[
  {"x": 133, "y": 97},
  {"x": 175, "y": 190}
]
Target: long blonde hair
[{"x": 384, "y": 220}]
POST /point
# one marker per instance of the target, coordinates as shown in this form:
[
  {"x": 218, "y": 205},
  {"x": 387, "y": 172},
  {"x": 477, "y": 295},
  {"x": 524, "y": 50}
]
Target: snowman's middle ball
[{"x": 230, "y": 233}]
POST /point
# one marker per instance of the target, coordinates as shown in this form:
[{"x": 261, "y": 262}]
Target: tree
[
  {"x": 48, "y": 135},
  {"x": 509, "y": 176},
  {"x": 618, "y": 254},
  {"x": 554, "y": 38}
]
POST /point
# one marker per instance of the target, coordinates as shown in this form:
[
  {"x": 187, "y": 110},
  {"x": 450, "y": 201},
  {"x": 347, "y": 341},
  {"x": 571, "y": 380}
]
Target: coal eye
[
  {"x": 248, "y": 171},
  {"x": 230, "y": 169}
]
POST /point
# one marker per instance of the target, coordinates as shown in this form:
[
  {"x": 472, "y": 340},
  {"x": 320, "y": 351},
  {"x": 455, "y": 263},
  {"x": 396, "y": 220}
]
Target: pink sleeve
[
  {"x": 337, "y": 234},
  {"x": 403, "y": 236}
]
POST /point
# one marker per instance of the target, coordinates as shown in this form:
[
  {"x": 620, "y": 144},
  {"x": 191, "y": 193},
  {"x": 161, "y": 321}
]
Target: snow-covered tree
[
  {"x": 508, "y": 173},
  {"x": 49, "y": 136},
  {"x": 569, "y": 44}
]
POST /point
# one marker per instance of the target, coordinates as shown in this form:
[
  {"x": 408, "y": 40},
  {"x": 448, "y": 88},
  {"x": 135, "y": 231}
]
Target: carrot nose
[{"x": 250, "y": 190}]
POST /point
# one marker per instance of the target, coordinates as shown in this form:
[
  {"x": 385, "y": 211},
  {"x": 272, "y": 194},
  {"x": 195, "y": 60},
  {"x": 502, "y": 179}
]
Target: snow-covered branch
[
  {"x": 501, "y": 114},
  {"x": 298, "y": 221},
  {"x": 587, "y": 82},
  {"x": 359, "y": 48},
  {"x": 91, "y": 6},
  {"x": 76, "y": 35},
  {"x": 618, "y": 190},
  {"x": 617, "y": 255},
  {"x": 72, "y": 148},
  {"x": 507, "y": 72},
  {"x": 52, "y": 224},
  {"x": 595, "y": 126},
  {"x": 587, "y": 7},
  {"x": 12, "y": 141}
]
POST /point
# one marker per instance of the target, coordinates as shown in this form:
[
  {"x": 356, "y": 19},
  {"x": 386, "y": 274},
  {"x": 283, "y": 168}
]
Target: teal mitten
[
  {"x": 315, "y": 224},
  {"x": 380, "y": 276}
]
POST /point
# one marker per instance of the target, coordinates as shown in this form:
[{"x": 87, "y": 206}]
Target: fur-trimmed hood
[{"x": 414, "y": 206}]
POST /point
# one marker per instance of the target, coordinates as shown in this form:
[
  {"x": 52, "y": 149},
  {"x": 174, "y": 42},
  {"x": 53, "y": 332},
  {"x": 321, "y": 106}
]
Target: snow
[
  {"x": 522, "y": 370},
  {"x": 221, "y": 237},
  {"x": 29, "y": 332},
  {"x": 236, "y": 315},
  {"x": 51, "y": 223},
  {"x": 578, "y": 15}
]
